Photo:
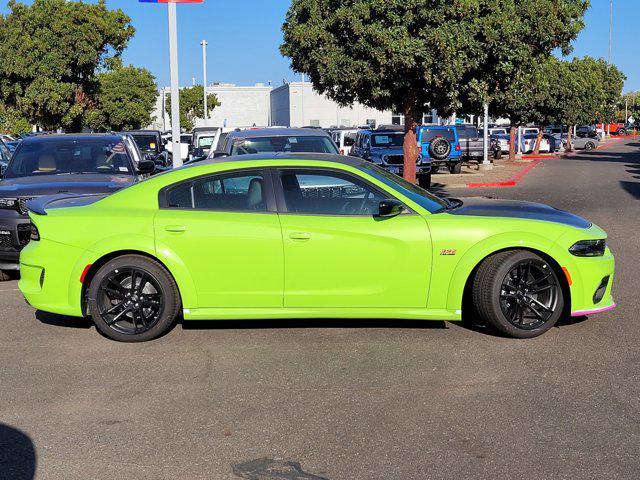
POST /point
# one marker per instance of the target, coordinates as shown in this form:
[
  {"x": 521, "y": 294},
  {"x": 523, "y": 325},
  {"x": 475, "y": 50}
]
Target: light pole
[
  {"x": 204, "y": 77},
  {"x": 302, "y": 102},
  {"x": 175, "y": 90},
  {"x": 610, "y": 28}
]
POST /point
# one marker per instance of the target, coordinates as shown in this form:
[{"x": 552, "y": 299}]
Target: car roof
[
  {"x": 70, "y": 136},
  {"x": 143, "y": 132},
  {"x": 278, "y": 132},
  {"x": 312, "y": 157}
]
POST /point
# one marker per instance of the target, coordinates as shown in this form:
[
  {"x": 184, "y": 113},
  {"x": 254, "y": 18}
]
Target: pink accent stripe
[{"x": 595, "y": 310}]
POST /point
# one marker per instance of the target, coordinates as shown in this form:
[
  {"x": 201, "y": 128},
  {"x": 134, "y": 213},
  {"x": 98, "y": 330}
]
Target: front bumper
[
  {"x": 587, "y": 274},
  {"x": 14, "y": 235}
]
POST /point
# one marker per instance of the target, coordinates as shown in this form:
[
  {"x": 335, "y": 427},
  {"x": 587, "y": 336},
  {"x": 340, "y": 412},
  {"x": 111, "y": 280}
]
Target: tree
[
  {"x": 192, "y": 105},
  {"x": 12, "y": 122},
  {"x": 50, "y": 51},
  {"x": 124, "y": 99},
  {"x": 411, "y": 55}
]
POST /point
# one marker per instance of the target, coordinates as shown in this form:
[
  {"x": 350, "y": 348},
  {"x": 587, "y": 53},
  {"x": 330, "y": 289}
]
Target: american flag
[{"x": 118, "y": 148}]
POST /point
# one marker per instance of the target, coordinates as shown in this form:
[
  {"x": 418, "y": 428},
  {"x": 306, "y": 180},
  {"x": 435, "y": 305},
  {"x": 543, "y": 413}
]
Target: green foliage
[
  {"x": 406, "y": 54},
  {"x": 192, "y": 105},
  {"x": 50, "y": 51},
  {"x": 124, "y": 99},
  {"x": 12, "y": 122},
  {"x": 580, "y": 91},
  {"x": 629, "y": 103}
]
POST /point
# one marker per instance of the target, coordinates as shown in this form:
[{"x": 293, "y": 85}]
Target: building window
[
  {"x": 345, "y": 122},
  {"x": 314, "y": 123},
  {"x": 396, "y": 119}
]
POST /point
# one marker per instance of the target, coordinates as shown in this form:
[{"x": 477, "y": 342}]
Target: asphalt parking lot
[{"x": 342, "y": 400}]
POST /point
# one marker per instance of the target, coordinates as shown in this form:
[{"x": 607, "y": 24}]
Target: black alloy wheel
[
  {"x": 130, "y": 301},
  {"x": 529, "y": 294},
  {"x": 518, "y": 292},
  {"x": 133, "y": 298}
]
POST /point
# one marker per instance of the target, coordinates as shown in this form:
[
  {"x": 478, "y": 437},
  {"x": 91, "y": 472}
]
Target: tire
[
  {"x": 455, "y": 167},
  {"x": 439, "y": 148},
  {"x": 155, "y": 288},
  {"x": 424, "y": 181},
  {"x": 498, "y": 305},
  {"x": 5, "y": 275},
  {"x": 589, "y": 146},
  {"x": 622, "y": 132},
  {"x": 497, "y": 155}
]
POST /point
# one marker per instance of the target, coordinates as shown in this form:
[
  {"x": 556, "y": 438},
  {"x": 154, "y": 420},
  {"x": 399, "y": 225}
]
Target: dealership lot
[{"x": 355, "y": 399}]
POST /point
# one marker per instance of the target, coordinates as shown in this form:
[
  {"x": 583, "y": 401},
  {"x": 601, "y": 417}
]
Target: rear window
[
  {"x": 146, "y": 142},
  {"x": 286, "y": 144},
  {"x": 387, "y": 140},
  {"x": 430, "y": 134}
]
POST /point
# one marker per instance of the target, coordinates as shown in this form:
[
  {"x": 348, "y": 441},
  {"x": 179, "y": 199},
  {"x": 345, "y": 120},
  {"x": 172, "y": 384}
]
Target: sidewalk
[{"x": 504, "y": 173}]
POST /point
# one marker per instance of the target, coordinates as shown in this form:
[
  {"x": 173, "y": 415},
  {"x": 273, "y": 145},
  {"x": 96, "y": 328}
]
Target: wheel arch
[
  {"x": 466, "y": 301},
  {"x": 98, "y": 263}
]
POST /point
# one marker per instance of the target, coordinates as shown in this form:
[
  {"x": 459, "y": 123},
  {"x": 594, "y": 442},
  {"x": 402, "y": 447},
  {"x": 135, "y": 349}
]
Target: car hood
[
  {"x": 53, "y": 184},
  {"x": 489, "y": 207}
]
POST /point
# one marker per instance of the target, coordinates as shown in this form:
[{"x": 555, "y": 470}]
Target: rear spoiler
[{"x": 40, "y": 205}]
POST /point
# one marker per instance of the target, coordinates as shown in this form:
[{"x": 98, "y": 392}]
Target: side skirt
[{"x": 286, "y": 313}]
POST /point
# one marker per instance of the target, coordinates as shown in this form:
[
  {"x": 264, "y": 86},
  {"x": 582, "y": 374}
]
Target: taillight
[
  {"x": 457, "y": 148},
  {"x": 35, "y": 234},
  {"x": 342, "y": 151}
]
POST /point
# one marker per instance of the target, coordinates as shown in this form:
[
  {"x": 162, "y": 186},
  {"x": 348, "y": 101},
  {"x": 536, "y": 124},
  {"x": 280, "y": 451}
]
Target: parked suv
[
  {"x": 384, "y": 148},
  {"x": 54, "y": 164},
  {"x": 344, "y": 138},
  {"x": 440, "y": 146}
]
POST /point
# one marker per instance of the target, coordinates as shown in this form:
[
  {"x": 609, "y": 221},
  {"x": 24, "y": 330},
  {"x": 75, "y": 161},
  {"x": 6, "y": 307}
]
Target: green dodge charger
[{"x": 307, "y": 236}]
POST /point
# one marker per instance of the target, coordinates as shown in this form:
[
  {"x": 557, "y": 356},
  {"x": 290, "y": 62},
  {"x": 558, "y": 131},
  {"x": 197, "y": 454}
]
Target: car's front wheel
[
  {"x": 455, "y": 167},
  {"x": 519, "y": 293},
  {"x": 133, "y": 299}
]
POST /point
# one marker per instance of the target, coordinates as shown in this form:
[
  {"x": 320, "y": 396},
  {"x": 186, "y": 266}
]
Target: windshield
[
  {"x": 429, "y": 134},
  {"x": 65, "y": 156},
  {"x": 387, "y": 140},
  {"x": 287, "y": 144},
  {"x": 146, "y": 142},
  {"x": 5, "y": 153},
  {"x": 423, "y": 198}
]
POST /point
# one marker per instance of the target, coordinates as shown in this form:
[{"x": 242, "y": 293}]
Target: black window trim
[
  {"x": 270, "y": 200},
  {"x": 282, "y": 205}
]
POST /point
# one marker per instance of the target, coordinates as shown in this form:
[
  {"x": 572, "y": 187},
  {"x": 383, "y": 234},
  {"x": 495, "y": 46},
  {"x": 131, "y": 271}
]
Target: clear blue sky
[{"x": 244, "y": 36}]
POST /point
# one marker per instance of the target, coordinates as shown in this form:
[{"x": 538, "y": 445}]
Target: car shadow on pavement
[
  {"x": 62, "y": 320},
  {"x": 313, "y": 323},
  {"x": 17, "y": 454}
]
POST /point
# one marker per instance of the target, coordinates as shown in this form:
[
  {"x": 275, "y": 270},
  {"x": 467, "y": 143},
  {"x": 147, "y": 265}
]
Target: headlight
[
  {"x": 8, "y": 203},
  {"x": 589, "y": 248}
]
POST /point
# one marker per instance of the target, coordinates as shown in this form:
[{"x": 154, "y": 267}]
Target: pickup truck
[{"x": 472, "y": 144}]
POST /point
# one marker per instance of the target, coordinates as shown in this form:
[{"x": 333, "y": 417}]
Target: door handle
[
  {"x": 175, "y": 228},
  {"x": 299, "y": 236}
]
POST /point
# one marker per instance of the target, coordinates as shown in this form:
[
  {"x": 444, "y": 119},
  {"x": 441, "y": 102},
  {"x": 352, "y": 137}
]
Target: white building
[
  {"x": 240, "y": 106},
  {"x": 292, "y": 104}
]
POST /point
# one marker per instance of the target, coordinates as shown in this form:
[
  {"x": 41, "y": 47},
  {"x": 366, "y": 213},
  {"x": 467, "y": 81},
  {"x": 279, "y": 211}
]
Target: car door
[
  {"x": 226, "y": 231},
  {"x": 339, "y": 253}
]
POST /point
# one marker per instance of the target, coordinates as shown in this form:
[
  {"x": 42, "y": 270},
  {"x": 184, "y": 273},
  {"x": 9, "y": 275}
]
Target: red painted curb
[
  {"x": 612, "y": 142},
  {"x": 542, "y": 155},
  {"x": 512, "y": 182}
]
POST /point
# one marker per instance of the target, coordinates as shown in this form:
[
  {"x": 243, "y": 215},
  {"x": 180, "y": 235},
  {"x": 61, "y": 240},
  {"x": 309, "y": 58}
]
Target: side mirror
[
  {"x": 146, "y": 166},
  {"x": 219, "y": 154},
  {"x": 390, "y": 208}
]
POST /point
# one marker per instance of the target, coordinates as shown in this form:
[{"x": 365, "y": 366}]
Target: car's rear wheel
[
  {"x": 519, "y": 293},
  {"x": 133, "y": 299},
  {"x": 455, "y": 167},
  {"x": 589, "y": 146},
  {"x": 622, "y": 132},
  {"x": 424, "y": 180},
  {"x": 5, "y": 275}
]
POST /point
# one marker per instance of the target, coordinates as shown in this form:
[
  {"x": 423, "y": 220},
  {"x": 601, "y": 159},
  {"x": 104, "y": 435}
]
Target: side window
[
  {"x": 241, "y": 191},
  {"x": 324, "y": 192},
  {"x": 348, "y": 140},
  {"x": 180, "y": 196}
]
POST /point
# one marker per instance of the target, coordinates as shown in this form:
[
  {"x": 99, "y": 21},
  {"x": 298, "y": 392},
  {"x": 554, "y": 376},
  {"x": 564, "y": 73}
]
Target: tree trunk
[
  {"x": 512, "y": 144},
  {"x": 569, "y": 138},
  {"x": 536, "y": 151},
  {"x": 410, "y": 145}
]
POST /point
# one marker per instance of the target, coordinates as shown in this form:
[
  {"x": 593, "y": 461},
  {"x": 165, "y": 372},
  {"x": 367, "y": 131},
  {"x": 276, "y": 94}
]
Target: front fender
[{"x": 488, "y": 246}]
